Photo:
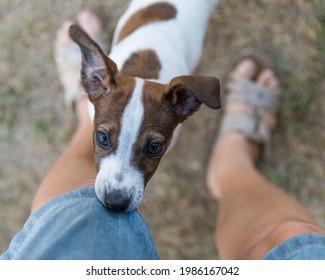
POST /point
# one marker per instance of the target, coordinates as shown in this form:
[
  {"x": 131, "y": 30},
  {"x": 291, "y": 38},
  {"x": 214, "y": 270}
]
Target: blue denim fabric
[
  {"x": 307, "y": 246},
  {"x": 75, "y": 225}
]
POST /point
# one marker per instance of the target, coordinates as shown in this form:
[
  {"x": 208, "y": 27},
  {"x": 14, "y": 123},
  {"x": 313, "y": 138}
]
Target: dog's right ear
[{"x": 98, "y": 70}]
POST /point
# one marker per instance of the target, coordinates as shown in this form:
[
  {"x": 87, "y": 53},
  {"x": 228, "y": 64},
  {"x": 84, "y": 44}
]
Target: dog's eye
[
  {"x": 102, "y": 139},
  {"x": 154, "y": 149}
]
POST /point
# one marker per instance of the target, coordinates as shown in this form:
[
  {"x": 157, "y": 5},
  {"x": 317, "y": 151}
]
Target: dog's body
[
  {"x": 138, "y": 103},
  {"x": 175, "y": 34}
]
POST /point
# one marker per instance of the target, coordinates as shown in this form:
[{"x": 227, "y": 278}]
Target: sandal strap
[
  {"x": 254, "y": 95},
  {"x": 251, "y": 127}
]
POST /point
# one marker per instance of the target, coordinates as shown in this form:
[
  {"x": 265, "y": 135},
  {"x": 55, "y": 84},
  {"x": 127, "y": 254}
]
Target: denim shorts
[
  {"x": 76, "y": 226},
  {"x": 307, "y": 246}
]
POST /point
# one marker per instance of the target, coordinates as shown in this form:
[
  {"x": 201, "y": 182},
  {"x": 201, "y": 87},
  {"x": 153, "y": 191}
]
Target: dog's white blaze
[
  {"x": 131, "y": 122},
  {"x": 118, "y": 165}
]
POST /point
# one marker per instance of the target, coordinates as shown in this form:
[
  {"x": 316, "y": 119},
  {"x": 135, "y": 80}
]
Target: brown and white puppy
[{"x": 139, "y": 93}]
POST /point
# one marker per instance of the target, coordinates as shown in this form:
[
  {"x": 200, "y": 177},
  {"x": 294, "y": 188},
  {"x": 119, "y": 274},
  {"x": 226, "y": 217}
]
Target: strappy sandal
[
  {"x": 68, "y": 60},
  {"x": 258, "y": 100}
]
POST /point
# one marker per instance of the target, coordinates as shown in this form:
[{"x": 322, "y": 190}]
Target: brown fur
[
  {"x": 108, "y": 112},
  {"x": 156, "y": 12},
  {"x": 144, "y": 64},
  {"x": 206, "y": 89},
  {"x": 158, "y": 124}
]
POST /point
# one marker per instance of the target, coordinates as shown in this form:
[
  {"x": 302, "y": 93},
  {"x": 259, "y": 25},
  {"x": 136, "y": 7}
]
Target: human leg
[
  {"x": 254, "y": 214},
  {"x": 76, "y": 166}
]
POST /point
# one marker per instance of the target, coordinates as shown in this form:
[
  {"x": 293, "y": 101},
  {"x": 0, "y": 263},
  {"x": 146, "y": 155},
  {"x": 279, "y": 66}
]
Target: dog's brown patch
[
  {"x": 156, "y": 12},
  {"x": 158, "y": 123},
  {"x": 144, "y": 64}
]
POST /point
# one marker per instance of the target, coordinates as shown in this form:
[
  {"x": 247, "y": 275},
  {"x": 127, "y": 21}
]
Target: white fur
[
  {"x": 120, "y": 162},
  {"x": 177, "y": 42}
]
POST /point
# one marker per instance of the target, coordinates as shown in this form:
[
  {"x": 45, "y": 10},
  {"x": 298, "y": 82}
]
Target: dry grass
[{"x": 35, "y": 127}]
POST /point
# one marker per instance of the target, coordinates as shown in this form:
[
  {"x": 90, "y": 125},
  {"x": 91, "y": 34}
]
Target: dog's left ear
[
  {"x": 186, "y": 93},
  {"x": 98, "y": 70}
]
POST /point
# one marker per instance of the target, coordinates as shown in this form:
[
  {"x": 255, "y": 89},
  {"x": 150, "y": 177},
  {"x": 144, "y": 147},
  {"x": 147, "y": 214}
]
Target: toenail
[{"x": 246, "y": 68}]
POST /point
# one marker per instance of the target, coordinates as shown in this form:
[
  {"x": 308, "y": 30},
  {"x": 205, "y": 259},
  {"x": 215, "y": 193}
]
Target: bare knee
[{"x": 280, "y": 233}]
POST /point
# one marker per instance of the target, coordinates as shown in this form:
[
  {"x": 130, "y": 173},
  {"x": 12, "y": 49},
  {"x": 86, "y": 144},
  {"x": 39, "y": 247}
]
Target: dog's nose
[{"x": 118, "y": 201}]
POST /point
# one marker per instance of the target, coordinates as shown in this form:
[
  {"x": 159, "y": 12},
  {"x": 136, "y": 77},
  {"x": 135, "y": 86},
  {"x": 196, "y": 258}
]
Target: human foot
[
  {"x": 68, "y": 58},
  {"x": 259, "y": 91},
  {"x": 250, "y": 109}
]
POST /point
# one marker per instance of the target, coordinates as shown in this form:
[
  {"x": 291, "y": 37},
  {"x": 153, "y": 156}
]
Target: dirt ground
[{"x": 35, "y": 126}]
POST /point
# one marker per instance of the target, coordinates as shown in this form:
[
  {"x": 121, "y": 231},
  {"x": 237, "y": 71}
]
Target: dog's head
[{"x": 134, "y": 121}]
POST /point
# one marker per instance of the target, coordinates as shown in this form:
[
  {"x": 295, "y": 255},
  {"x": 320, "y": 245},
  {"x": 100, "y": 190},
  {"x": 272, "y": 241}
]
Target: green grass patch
[
  {"x": 39, "y": 128},
  {"x": 305, "y": 97}
]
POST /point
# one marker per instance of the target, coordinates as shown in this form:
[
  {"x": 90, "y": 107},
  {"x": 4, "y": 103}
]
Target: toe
[
  {"x": 268, "y": 79},
  {"x": 246, "y": 68},
  {"x": 265, "y": 77},
  {"x": 90, "y": 22}
]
